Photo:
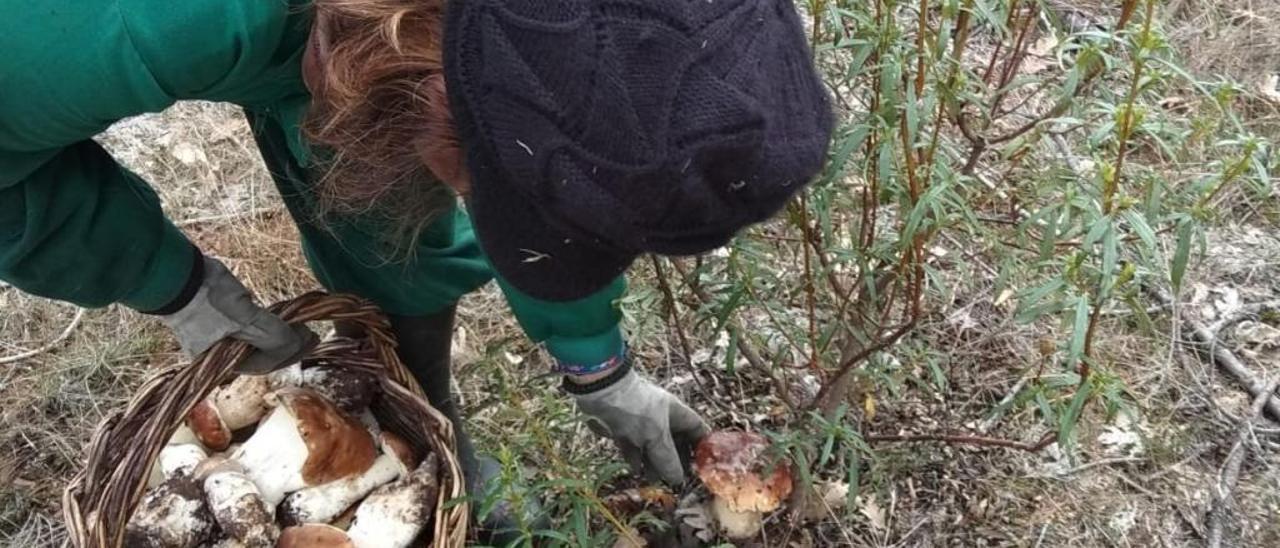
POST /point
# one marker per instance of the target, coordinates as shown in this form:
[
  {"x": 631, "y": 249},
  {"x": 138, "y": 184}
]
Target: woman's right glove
[
  {"x": 653, "y": 429},
  {"x": 222, "y": 307}
]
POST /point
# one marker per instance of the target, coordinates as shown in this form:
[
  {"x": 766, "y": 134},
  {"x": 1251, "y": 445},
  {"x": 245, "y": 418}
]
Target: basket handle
[{"x": 99, "y": 501}]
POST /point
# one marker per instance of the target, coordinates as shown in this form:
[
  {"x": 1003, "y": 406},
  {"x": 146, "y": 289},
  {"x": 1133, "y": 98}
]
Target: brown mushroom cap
[
  {"x": 735, "y": 468},
  {"x": 205, "y": 421},
  {"x": 314, "y": 535},
  {"x": 338, "y": 445}
]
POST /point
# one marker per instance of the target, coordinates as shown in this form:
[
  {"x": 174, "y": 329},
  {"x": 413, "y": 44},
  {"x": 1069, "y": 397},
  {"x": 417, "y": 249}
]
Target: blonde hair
[{"x": 379, "y": 111}]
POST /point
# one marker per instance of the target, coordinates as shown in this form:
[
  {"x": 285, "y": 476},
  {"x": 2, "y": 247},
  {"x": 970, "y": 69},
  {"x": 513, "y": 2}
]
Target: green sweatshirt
[{"x": 76, "y": 226}]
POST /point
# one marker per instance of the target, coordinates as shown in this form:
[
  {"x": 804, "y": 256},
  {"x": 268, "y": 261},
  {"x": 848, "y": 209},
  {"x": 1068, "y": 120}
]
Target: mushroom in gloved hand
[
  {"x": 735, "y": 469},
  {"x": 393, "y": 515},
  {"x": 305, "y": 441},
  {"x": 314, "y": 535},
  {"x": 324, "y": 503},
  {"x": 237, "y": 505}
]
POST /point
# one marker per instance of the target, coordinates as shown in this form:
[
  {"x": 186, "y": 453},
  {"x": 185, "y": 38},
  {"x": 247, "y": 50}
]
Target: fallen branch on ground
[
  {"x": 1231, "y": 470},
  {"x": 66, "y": 332},
  {"x": 1206, "y": 342},
  {"x": 963, "y": 439},
  {"x": 226, "y": 217}
]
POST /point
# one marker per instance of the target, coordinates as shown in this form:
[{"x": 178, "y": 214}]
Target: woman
[{"x": 581, "y": 133}]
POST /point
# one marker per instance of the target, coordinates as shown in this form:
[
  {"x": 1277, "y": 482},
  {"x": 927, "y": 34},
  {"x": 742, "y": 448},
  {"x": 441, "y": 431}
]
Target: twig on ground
[
  {"x": 225, "y": 217},
  {"x": 1207, "y": 342},
  {"x": 66, "y": 332},
  {"x": 962, "y": 439},
  {"x": 1243, "y": 313},
  {"x": 1231, "y": 470}
]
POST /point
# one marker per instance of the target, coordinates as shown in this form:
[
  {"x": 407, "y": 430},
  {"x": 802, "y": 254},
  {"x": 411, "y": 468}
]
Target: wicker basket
[{"x": 100, "y": 499}]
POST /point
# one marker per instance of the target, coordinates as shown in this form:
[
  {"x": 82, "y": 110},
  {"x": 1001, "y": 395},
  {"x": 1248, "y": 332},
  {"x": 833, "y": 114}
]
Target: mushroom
[
  {"x": 734, "y": 467},
  {"x": 348, "y": 388},
  {"x": 172, "y": 515},
  {"x": 343, "y": 521},
  {"x": 325, "y": 503},
  {"x": 183, "y": 435},
  {"x": 206, "y": 422},
  {"x": 180, "y": 460},
  {"x": 305, "y": 441},
  {"x": 242, "y": 401},
  {"x": 314, "y": 535},
  {"x": 285, "y": 377},
  {"x": 394, "y": 515},
  {"x": 237, "y": 505},
  {"x": 392, "y": 444}
]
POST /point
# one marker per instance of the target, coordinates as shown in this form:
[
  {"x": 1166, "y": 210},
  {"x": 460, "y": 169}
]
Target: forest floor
[{"x": 1145, "y": 477}]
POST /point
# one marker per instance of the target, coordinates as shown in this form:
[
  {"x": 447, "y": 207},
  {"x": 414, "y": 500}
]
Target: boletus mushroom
[
  {"x": 242, "y": 402},
  {"x": 305, "y": 441},
  {"x": 205, "y": 421},
  {"x": 395, "y": 513},
  {"x": 175, "y": 460},
  {"x": 172, "y": 515},
  {"x": 348, "y": 388},
  {"x": 314, "y": 535},
  {"x": 238, "y": 506},
  {"x": 745, "y": 484}
]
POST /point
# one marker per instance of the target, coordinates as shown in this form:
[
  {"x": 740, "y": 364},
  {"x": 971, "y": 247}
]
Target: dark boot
[{"x": 425, "y": 346}]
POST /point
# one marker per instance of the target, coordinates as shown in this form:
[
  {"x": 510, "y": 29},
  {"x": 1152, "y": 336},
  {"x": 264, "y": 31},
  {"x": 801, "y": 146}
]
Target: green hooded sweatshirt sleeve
[{"x": 74, "y": 225}]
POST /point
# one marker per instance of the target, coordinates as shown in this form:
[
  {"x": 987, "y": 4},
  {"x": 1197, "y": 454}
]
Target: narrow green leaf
[
  {"x": 1178, "y": 268},
  {"x": 1079, "y": 328},
  {"x": 1138, "y": 222},
  {"x": 1035, "y": 297}
]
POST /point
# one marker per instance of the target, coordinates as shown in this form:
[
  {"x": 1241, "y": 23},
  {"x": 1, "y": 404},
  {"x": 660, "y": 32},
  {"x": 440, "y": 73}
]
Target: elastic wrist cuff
[
  {"x": 194, "y": 280},
  {"x": 591, "y": 367},
  {"x": 580, "y": 389}
]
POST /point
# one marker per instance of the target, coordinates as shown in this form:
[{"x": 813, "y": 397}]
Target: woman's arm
[{"x": 83, "y": 229}]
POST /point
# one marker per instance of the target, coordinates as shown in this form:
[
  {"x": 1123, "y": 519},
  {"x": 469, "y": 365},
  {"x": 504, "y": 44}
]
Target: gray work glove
[
  {"x": 222, "y": 307},
  {"x": 653, "y": 429}
]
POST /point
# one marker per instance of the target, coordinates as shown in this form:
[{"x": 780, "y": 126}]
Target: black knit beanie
[{"x": 599, "y": 130}]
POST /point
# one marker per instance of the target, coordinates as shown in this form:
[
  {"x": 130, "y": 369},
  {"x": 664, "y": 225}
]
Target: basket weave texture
[{"x": 98, "y": 501}]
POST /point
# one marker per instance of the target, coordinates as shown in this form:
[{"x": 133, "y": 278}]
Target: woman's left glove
[
  {"x": 654, "y": 430},
  {"x": 222, "y": 307}
]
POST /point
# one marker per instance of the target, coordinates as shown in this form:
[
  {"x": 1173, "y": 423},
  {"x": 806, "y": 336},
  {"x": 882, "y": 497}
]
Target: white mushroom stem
[
  {"x": 238, "y": 506},
  {"x": 736, "y": 525},
  {"x": 173, "y": 515},
  {"x": 273, "y": 457},
  {"x": 183, "y": 435},
  {"x": 393, "y": 515},
  {"x": 370, "y": 422},
  {"x": 324, "y": 503},
  {"x": 305, "y": 441}
]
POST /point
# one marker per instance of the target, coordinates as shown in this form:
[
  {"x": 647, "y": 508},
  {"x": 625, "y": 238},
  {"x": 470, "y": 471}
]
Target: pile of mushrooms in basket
[{"x": 291, "y": 459}]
